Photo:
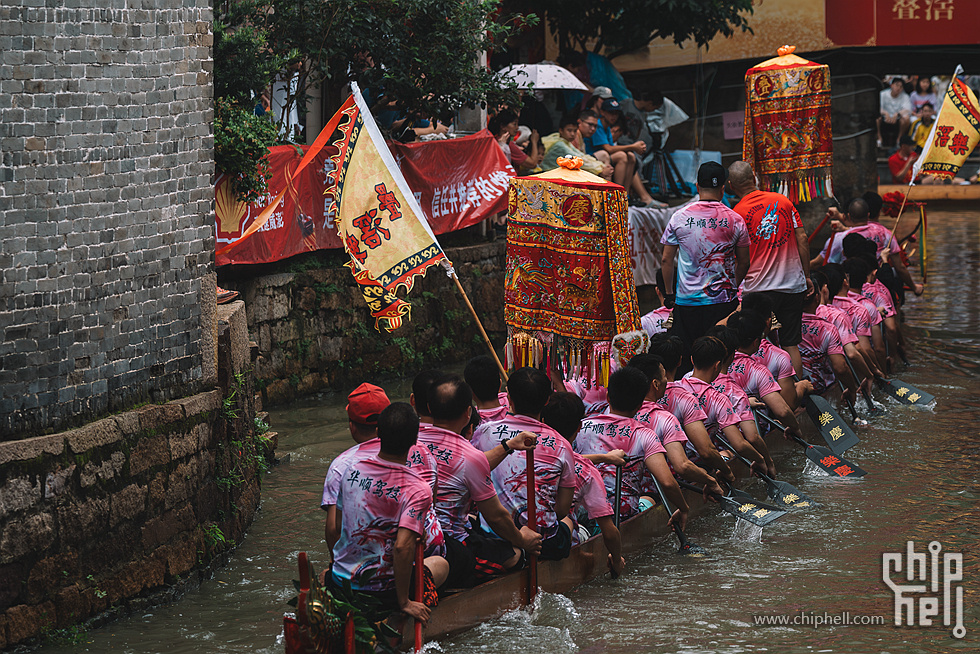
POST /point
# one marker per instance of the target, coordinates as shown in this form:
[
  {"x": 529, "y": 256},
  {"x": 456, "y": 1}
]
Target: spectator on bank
[
  {"x": 562, "y": 144},
  {"x": 921, "y": 126},
  {"x": 895, "y": 112},
  {"x": 900, "y": 163},
  {"x": 922, "y": 95}
]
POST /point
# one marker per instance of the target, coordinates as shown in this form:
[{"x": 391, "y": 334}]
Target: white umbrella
[{"x": 543, "y": 76}]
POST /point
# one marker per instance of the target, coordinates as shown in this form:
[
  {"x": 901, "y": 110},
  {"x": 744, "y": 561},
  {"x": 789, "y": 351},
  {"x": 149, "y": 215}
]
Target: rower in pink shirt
[
  {"x": 862, "y": 311},
  {"x": 845, "y": 328},
  {"x": 483, "y": 377},
  {"x": 464, "y": 480},
  {"x": 381, "y": 509},
  {"x": 617, "y": 430},
  {"x": 554, "y": 467},
  {"x": 564, "y": 413},
  {"x": 777, "y": 361},
  {"x": 823, "y": 355},
  {"x": 659, "y": 320}
]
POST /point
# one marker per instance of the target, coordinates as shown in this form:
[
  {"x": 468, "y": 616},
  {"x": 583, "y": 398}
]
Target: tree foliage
[{"x": 619, "y": 26}]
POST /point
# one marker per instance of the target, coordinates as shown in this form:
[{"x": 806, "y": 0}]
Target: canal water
[{"x": 812, "y": 567}]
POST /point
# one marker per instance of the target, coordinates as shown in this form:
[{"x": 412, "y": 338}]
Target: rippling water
[{"x": 922, "y": 486}]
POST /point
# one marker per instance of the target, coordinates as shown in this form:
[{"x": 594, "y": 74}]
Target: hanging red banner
[{"x": 458, "y": 183}]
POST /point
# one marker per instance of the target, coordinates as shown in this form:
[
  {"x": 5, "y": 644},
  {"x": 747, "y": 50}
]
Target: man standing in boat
[
  {"x": 779, "y": 254},
  {"x": 381, "y": 509},
  {"x": 528, "y": 390},
  {"x": 708, "y": 244},
  {"x": 464, "y": 479}
]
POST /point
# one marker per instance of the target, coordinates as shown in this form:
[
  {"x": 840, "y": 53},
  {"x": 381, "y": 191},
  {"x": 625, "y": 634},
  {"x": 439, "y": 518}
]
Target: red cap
[{"x": 365, "y": 403}]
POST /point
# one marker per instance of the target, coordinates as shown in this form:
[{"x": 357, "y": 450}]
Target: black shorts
[
  {"x": 476, "y": 560},
  {"x": 788, "y": 308},
  {"x": 692, "y": 322},
  {"x": 557, "y": 546}
]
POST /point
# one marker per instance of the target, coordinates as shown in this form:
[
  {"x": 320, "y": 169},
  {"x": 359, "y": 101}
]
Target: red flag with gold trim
[{"x": 955, "y": 133}]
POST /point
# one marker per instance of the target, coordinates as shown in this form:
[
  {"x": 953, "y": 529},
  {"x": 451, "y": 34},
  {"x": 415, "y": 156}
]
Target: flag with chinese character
[
  {"x": 954, "y": 134},
  {"x": 378, "y": 218}
]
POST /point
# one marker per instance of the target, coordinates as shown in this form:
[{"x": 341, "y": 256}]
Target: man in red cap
[{"x": 364, "y": 405}]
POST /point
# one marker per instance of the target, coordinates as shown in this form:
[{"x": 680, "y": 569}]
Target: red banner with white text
[{"x": 458, "y": 182}]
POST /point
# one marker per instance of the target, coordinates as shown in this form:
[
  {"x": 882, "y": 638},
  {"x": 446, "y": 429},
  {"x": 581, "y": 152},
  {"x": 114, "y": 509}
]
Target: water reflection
[{"x": 922, "y": 485}]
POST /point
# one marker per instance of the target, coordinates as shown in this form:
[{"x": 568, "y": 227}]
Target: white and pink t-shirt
[
  {"x": 706, "y": 234},
  {"x": 833, "y": 252},
  {"x": 713, "y": 402},
  {"x": 736, "y": 395},
  {"x": 863, "y": 316},
  {"x": 607, "y": 432},
  {"x": 820, "y": 340},
  {"x": 376, "y": 499},
  {"x": 879, "y": 294},
  {"x": 775, "y": 359},
  {"x": 842, "y": 321},
  {"x": 662, "y": 422},
  {"x": 771, "y": 220},
  {"x": 463, "y": 477},
  {"x": 590, "y": 502},
  {"x": 655, "y": 321},
  {"x": 554, "y": 467},
  {"x": 419, "y": 460},
  {"x": 754, "y": 378},
  {"x": 679, "y": 401}
]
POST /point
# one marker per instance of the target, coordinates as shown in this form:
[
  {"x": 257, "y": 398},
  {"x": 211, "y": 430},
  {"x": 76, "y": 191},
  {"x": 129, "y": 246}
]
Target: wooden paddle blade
[
  {"x": 786, "y": 495},
  {"x": 905, "y": 393},
  {"x": 758, "y": 513},
  {"x": 833, "y": 464},
  {"x": 839, "y": 436}
]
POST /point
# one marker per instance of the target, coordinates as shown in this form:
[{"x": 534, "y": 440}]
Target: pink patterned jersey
[
  {"x": 713, "y": 402},
  {"x": 833, "y": 252},
  {"x": 863, "y": 317},
  {"x": 653, "y": 322},
  {"x": 463, "y": 477},
  {"x": 820, "y": 340},
  {"x": 590, "y": 501},
  {"x": 376, "y": 499},
  {"x": 775, "y": 359},
  {"x": 842, "y": 321},
  {"x": 736, "y": 395},
  {"x": 880, "y": 295},
  {"x": 663, "y": 423},
  {"x": 554, "y": 466},
  {"x": 706, "y": 234},
  {"x": 679, "y": 401},
  {"x": 608, "y": 432},
  {"x": 771, "y": 221},
  {"x": 419, "y": 460},
  {"x": 752, "y": 376}
]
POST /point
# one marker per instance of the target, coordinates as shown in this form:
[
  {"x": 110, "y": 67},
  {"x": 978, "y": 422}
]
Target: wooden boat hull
[{"x": 468, "y": 609}]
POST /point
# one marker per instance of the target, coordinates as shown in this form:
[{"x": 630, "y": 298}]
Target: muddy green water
[{"x": 922, "y": 486}]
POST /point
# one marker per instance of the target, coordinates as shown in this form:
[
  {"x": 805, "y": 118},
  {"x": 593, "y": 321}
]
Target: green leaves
[{"x": 241, "y": 143}]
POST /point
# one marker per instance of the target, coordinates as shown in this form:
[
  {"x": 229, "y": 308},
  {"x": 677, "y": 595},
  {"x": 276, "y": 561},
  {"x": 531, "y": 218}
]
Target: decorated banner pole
[{"x": 483, "y": 332}]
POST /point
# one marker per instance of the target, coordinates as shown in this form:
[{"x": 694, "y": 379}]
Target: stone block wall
[
  {"x": 115, "y": 516},
  {"x": 105, "y": 196},
  {"x": 314, "y": 331}
]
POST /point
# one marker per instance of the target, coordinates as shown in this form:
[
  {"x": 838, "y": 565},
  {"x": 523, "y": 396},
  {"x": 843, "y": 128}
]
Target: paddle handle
[
  {"x": 681, "y": 538},
  {"x": 419, "y": 589},
  {"x": 618, "y": 496},
  {"x": 532, "y": 522},
  {"x": 864, "y": 391},
  {"x": 479, "y": 324},
  {"x": 850, "y": 405}
]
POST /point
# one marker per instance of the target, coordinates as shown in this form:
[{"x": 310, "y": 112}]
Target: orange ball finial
[
  {"x": 570, "y": 163},
  {"x": 786, "y": 50}
]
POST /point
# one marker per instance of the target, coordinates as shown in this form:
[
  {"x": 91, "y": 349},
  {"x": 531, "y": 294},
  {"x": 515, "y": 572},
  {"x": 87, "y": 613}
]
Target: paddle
[
  {"x": 758, "y": 513},
  {"x": 903, "y": 392},
  {"x": 824, "y": 458},
  {"x": 419, "y": 589},
  {"x": 850, "y": 405},
  {"x": 687, "y": 548},
  {"x": 618, "y": 493},
  {"x": 532, "y": 522},
  {"x": 780, "y": 491},
  {"x": 875, "y": 411},
  {"x": 838, "y": 435}
]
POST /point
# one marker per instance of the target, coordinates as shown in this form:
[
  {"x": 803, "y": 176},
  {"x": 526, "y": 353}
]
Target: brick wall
[{"x": 105, "y": 194}]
